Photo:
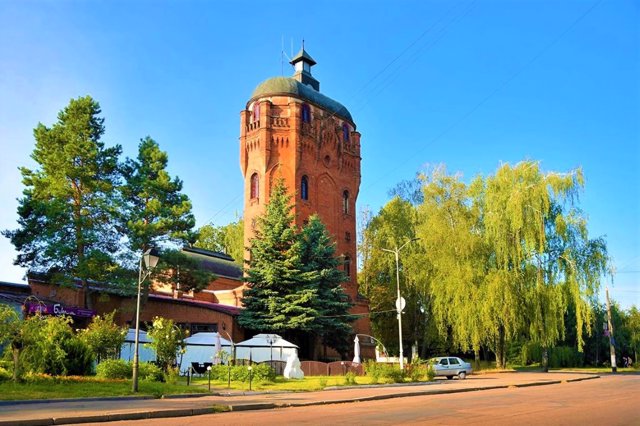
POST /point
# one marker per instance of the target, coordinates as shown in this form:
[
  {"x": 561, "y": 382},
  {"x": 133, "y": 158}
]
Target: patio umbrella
[
  {"x": 217, "y": 349},
  {"x": 356, "y": 351}
]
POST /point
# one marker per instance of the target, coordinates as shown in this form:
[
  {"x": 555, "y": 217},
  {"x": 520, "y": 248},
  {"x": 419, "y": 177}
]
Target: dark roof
[
  {"x": 226, "y": 309},
  {"x": 303, "y": 55},
  {"x": 291, "y": 87},
  {"x": 219, "y": 263}
]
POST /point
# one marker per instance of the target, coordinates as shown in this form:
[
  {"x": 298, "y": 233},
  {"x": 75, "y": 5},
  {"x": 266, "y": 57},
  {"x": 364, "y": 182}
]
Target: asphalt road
[{"x": 610, "y": 400}]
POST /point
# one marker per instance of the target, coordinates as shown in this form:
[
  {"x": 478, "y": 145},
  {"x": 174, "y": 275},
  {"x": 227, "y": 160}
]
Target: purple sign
[{"x": 58, "y": 309}]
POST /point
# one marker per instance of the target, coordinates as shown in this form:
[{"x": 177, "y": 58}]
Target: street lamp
[
  {"x": 233, "y": 351},
  {"x": 249, "y": 368},
  {"x": 399, "y": 304},
  {"x": 270, "y": 340},
  {"x": 150, "y": 258}
]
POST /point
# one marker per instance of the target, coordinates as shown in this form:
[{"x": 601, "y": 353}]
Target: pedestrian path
[{"x": 113, "y": 409}]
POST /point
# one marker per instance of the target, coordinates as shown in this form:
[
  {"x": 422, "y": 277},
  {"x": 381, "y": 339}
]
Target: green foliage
[
  {"x": 103, "y": 337},
  {"x": 121, "y": 369},
  {"x": 166, "y": 340},
  {"x": 227, "y": 239},
  {"x": 150, "y": 371},
  {"x": 259, "y": 372},
  {"x": 67, "y": 213},
  {"x": 417, "y": 370},
  {"x": 280, "y": 295},
  {"x": 114, "y": 369},
  {"x": 387, "y": 372},
  {"x": 155, "y": 209},
  {"x": 373, "y": 370},
  {"x": 350, "y": 378},
  {"x": 51, "y": 347},
  {"x": 179, "y": 270}
]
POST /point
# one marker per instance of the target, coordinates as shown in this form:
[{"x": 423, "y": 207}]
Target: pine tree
[
  {"x": 280, "y": 295},
  {"x": 156, "y": 210},
  {"x": 66, "y": 215}
]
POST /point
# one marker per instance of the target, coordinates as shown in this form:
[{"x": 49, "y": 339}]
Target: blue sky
[{"x": 470, "y": 84}]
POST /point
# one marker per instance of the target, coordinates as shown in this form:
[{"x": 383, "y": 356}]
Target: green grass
[
  {"x": 55, "y": 389},
  {"x": 309, "y": 383}
]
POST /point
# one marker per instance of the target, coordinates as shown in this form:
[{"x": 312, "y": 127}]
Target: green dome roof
[{"x": 290, "y": 86}]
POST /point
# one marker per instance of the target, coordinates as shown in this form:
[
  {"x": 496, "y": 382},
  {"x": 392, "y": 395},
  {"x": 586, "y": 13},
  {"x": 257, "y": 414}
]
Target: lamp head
[
  {"x": 208, "y": 368},
  {"x": 151, "y": 258}
]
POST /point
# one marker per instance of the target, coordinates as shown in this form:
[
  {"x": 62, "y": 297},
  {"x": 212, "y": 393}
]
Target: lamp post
[
  {"x": 150, "y": 258},
  {"x": 249, "y": 368},
  {"x": 209, "y": 372},
  {"x": 270, "y": 340},
  {"x": 233, "y": 351},
  {"x": 399, "y": 305}
]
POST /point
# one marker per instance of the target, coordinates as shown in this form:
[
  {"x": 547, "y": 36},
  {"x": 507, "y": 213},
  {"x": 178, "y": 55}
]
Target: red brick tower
[{"x": 291, "y": 130}]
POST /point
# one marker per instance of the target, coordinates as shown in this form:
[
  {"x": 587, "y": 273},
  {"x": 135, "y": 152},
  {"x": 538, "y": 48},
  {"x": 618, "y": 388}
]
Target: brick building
[{"x": 290, "y": 130}]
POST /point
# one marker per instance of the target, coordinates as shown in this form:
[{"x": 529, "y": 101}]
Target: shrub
[
  {"x": 431, "y": 372},
  {"x": 259, "y": 372},
  {"x": 167, "y": 340},
  {"x": 79, "y": 359},
  {"x": 150, "y": 371},
  {"x": 104, "y": 337},
  {"x": 393, "y": 373},
  {"x": 350, "y": 378},
  {"x": 417, "y": 370},
  {"x": 373, "y": 370},
  {"x": 5, "y": 375},
  {"x": 114, "y": 369}
]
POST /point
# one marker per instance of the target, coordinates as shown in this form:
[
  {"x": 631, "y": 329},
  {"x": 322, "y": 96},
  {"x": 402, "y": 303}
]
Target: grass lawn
[{"x": 86, "y": 387}]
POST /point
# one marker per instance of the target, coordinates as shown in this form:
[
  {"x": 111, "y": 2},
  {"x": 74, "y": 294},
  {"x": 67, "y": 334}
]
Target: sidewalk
[{"x": 112, "y": 409}]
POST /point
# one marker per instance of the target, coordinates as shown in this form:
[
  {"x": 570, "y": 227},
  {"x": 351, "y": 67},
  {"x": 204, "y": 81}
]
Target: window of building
[
  {"x": 347, "y": 266},
  {"x": 347, "y": 236},
  {"x": 256, "y": 111},
  {"x": 345, "y": 202},
  {"x": 304, "y": 188},
  {"x": 306, "y": 113},
  {"x": 199, "y": 328},
  {"x": 345, "y": 132},
  {"x": 255, "y": 181}
]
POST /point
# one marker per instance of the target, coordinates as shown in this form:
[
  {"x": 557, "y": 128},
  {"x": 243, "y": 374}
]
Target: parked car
[{"x": 450, "y": 366}]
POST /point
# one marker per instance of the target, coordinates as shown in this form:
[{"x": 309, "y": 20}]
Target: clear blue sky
[{"x": 467, "y": 83}]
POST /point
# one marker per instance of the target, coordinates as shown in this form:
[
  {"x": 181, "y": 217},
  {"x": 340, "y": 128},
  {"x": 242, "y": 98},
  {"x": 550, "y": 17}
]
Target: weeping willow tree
[
  {"x": 450, "y": 234},
  {"x": 542, "y": 256}
]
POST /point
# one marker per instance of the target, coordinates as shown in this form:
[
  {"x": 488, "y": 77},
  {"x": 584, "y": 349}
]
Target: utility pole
[{"x": 612, "y": 348}]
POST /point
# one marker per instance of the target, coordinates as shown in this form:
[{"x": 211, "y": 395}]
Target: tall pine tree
[{"x": 66, "y": 215}]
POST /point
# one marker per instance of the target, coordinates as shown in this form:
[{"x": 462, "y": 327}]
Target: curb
[
  {"x": 101, "y": 398},
  {"x": 216, "y": 408}
]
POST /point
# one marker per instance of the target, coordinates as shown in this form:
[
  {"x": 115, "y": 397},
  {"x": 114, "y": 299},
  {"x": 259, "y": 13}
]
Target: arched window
[
  {"x": 345, "y": 132},
  {"x": 345, "y": 202},
  {"x": 256, "y": 112},
  {"x": 255, "y": 186},
  {"x": 304, "y": 188},
  {"x": 347, "y": 266},
  {"x": 306, "y": 113}
]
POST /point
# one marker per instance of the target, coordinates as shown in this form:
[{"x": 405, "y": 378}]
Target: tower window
[
  {"x": 304, "y": 188},
  {"x": 256, "y": 111},
  {"x": 345, "y": 132},
  {"x": 347, "y": 266},
  {"x": 345, "y": 202},
  {"x": 347, "y": 236},
  {"x": 255, "y": 181},
  {"x": 306, "y": 113}
]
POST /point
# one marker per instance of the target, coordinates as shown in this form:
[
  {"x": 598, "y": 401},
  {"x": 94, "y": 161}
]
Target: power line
[{"x": 498, "y": 88}]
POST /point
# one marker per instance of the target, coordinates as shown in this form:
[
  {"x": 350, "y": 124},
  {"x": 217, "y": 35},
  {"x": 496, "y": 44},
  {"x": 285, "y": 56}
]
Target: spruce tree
[
  {"x": 280, "y": 296},
  {"x": 66, "y": 216},
  {"x": 317, "y": 253}
]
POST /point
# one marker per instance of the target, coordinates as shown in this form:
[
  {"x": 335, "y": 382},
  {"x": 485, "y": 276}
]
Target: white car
[{"x": 450, "y": 366}]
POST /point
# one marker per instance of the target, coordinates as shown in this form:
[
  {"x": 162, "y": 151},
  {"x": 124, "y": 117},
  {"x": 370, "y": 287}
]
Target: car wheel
[
  {"x": 462, "y": 375},
  {"x": 449, "y": 377}
]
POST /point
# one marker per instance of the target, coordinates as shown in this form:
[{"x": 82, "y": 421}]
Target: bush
[
  {"x": 431, "y": 372},
  {"x": 565, "y": 356},
  {"x": 394, "y": 373},
  {"x": 104, "y": 337},
  {"x": 417, "y": 370},
  {"x": 259, "y": 372},
  {"x": 114, "y": 369},
  {"x": 79, "y": 360},
  {"x": 350, "y": 378},
  {"x": 5, "y": 375},
  {"x": 373, "y": 370},
  {"x": 149, "y": 371}
]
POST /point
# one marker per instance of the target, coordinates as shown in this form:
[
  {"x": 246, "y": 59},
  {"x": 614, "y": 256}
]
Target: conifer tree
[
  {"x": 322, "y": 267},
  {"x": 280, "y": 294},
  {"x": 155, "y": 209},
  {"x": 66, "y": 214}
]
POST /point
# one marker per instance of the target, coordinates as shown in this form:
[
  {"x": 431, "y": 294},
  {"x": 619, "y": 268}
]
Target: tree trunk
[
  {"x": 16, "y": 363},
  {"x": 501, "y": 356},
  {"x": 476, "y": 357},
  {"x": 545, "y": 360}
]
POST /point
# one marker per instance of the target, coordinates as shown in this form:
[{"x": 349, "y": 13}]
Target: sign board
[{"x": 400, "y": 304}]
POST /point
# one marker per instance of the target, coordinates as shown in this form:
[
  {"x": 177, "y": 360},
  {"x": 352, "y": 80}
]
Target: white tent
[
  {"x": 201, "y": 347},
  {"x": 144, "y": 353},
  {"x": 265, "y": 347}
]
